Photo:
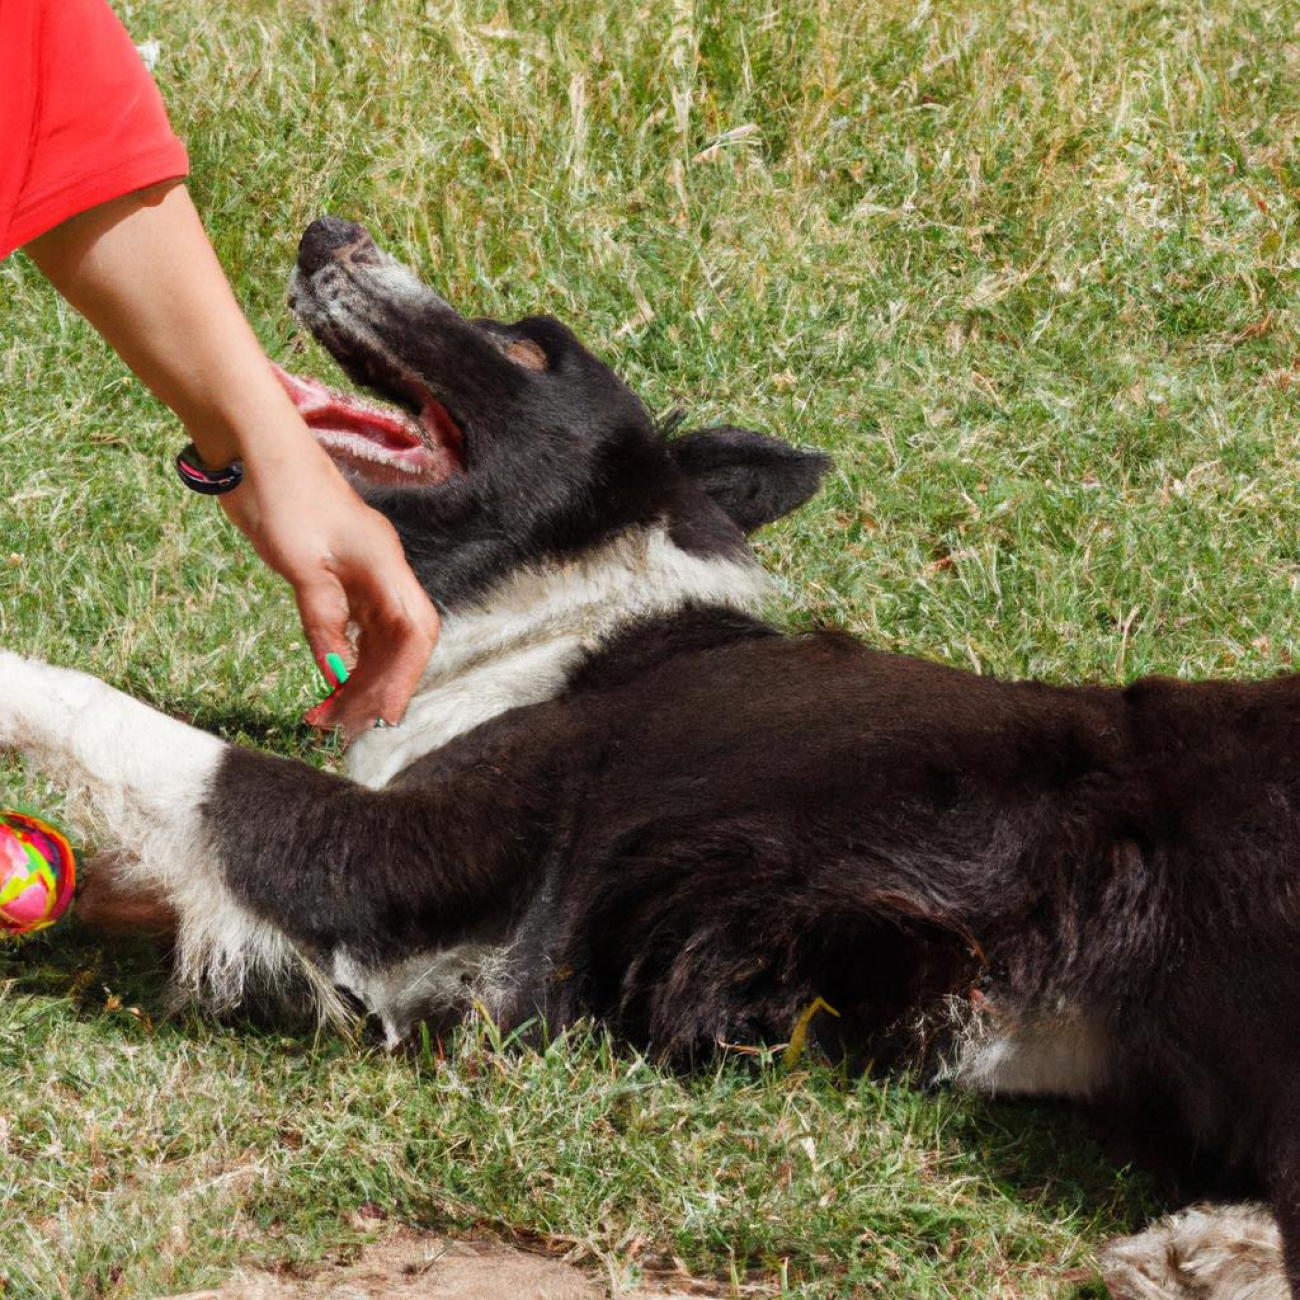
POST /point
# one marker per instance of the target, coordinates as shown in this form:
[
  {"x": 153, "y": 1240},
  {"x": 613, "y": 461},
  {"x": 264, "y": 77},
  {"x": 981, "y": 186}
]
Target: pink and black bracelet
[{"x": 209, "y": 482}]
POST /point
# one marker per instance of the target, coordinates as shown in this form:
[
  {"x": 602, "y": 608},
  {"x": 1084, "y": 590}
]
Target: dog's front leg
[
  {"x": 403, "y": 895},
  {"x": 141, "y": 778},
  {"x": 266, "y": 860}
]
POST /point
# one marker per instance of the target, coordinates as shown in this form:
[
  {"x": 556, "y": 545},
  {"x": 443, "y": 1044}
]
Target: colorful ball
[{"x": 38, "y": 874}]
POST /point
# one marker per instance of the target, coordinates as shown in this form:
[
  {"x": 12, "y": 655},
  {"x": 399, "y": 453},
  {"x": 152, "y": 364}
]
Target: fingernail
[{"x": 334, "y": 671}]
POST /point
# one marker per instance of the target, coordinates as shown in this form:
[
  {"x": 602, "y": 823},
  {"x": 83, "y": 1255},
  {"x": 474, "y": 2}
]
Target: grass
[
  {"x": 144, "y": 1159},
  {"x": 1028, "y": 272}
]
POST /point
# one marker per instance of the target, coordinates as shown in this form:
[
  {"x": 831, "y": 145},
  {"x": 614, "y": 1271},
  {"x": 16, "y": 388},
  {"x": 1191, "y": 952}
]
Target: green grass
[{"x": 1027, "y": 270}]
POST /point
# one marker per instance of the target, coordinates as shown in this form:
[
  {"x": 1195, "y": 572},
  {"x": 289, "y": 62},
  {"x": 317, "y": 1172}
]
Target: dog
[{"x": 619, "y": 793}]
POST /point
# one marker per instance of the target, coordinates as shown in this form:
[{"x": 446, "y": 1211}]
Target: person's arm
[{"x": 141, "y": 270}]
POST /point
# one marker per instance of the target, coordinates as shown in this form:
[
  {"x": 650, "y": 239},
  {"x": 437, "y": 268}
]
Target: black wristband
[{"x": 209, "y": 482}]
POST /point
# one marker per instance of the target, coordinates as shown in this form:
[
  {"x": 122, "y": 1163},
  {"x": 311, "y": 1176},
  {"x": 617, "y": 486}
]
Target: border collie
[{"x": 619, "y": 794}]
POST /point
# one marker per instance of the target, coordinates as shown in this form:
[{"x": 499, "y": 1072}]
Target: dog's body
[{"x": 620, "y": 794}]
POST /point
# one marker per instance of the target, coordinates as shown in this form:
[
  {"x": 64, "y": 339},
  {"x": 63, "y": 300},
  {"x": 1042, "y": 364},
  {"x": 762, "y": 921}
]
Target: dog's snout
[{"x": 325, "y": 238}]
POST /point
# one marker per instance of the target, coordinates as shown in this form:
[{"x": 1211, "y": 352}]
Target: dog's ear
[{"x": 754, "y": 478}]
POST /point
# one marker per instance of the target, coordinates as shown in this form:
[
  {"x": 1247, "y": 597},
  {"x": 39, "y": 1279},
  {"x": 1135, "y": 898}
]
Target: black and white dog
[{"x": 619, "y": 794}]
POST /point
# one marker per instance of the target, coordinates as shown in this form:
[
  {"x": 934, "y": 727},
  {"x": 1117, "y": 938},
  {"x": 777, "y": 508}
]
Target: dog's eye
[{"x": 528, "y": 354}]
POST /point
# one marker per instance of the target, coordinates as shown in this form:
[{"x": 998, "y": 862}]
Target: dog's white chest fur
[
  {"x": 1059, "y": 1055},
  {"x": 519, "y": 649},
  {"x": 520, "y": 645}
]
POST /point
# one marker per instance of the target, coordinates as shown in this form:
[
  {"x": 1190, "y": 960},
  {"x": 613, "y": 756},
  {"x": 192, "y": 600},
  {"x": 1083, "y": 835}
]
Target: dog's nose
[{"x": 323, "y": 239}]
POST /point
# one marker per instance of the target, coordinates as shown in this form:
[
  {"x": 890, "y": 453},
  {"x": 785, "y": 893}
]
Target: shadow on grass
[
  {"x": 1036, "y": 1155},
  {"x": 242, "y": 724},
  {"x": 1048, "y": 1155},
  {"x": 77, "y": 966},
  {"x": 86, "y": 973},
  {"x": 1116, "y": 1172}
]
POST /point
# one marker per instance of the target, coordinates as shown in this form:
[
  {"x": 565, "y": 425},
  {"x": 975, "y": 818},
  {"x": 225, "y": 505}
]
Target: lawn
[{"x": 1026, "y": 270}]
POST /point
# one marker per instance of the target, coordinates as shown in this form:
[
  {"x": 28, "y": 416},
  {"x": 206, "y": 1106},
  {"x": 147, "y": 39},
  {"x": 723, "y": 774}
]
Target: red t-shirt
[{"x": 81, "y": 121}]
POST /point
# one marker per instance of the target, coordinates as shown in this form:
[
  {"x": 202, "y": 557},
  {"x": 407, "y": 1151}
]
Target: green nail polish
[{"x": 335, "y": 662}]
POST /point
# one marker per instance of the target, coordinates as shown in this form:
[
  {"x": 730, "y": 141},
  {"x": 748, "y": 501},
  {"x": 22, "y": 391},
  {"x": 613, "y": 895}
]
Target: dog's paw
[{"x": 1208, "y": 1252}]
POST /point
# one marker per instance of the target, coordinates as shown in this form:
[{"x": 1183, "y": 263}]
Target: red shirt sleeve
[{"x": 81, "y": 118}]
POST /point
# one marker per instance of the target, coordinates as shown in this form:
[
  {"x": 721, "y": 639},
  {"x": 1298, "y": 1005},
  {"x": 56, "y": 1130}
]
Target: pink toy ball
[{"x": 38, "y": 873}]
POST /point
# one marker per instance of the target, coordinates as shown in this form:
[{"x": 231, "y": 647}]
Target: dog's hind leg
[{"x": 1208, "y": 1252}]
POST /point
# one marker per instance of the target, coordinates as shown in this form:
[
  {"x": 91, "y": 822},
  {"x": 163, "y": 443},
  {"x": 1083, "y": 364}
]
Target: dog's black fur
[
  {"x": 557, "y": 458},
  {"x": 712, "y": 824}
]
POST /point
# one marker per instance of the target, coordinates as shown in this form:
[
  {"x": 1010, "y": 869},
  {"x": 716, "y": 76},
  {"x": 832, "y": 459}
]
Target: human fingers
[
  {"x": 398, "y": 628},
  {"x": 324, "y": 612}
]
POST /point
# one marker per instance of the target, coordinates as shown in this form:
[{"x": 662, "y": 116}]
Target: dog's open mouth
[{"x": 382, "y": 445}]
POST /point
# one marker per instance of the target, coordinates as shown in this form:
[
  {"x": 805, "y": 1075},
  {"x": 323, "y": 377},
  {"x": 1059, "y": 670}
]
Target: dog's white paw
[{"x": 1208, "y": 1252}]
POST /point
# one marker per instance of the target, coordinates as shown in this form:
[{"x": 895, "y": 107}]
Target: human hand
[
  {"x": 143, "y": 273},
  {"x": 345, "y": 565}
]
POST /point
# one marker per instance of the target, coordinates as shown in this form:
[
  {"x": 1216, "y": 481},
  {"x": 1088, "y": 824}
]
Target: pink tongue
[{"x": 378, "y": 444}]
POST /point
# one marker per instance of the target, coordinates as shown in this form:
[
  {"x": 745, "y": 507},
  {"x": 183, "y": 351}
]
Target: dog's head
[{"x": 509, "y": 443}]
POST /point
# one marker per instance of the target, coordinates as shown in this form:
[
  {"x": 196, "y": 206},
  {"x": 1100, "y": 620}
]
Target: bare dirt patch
[{"x": 409, "y": 1265}]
